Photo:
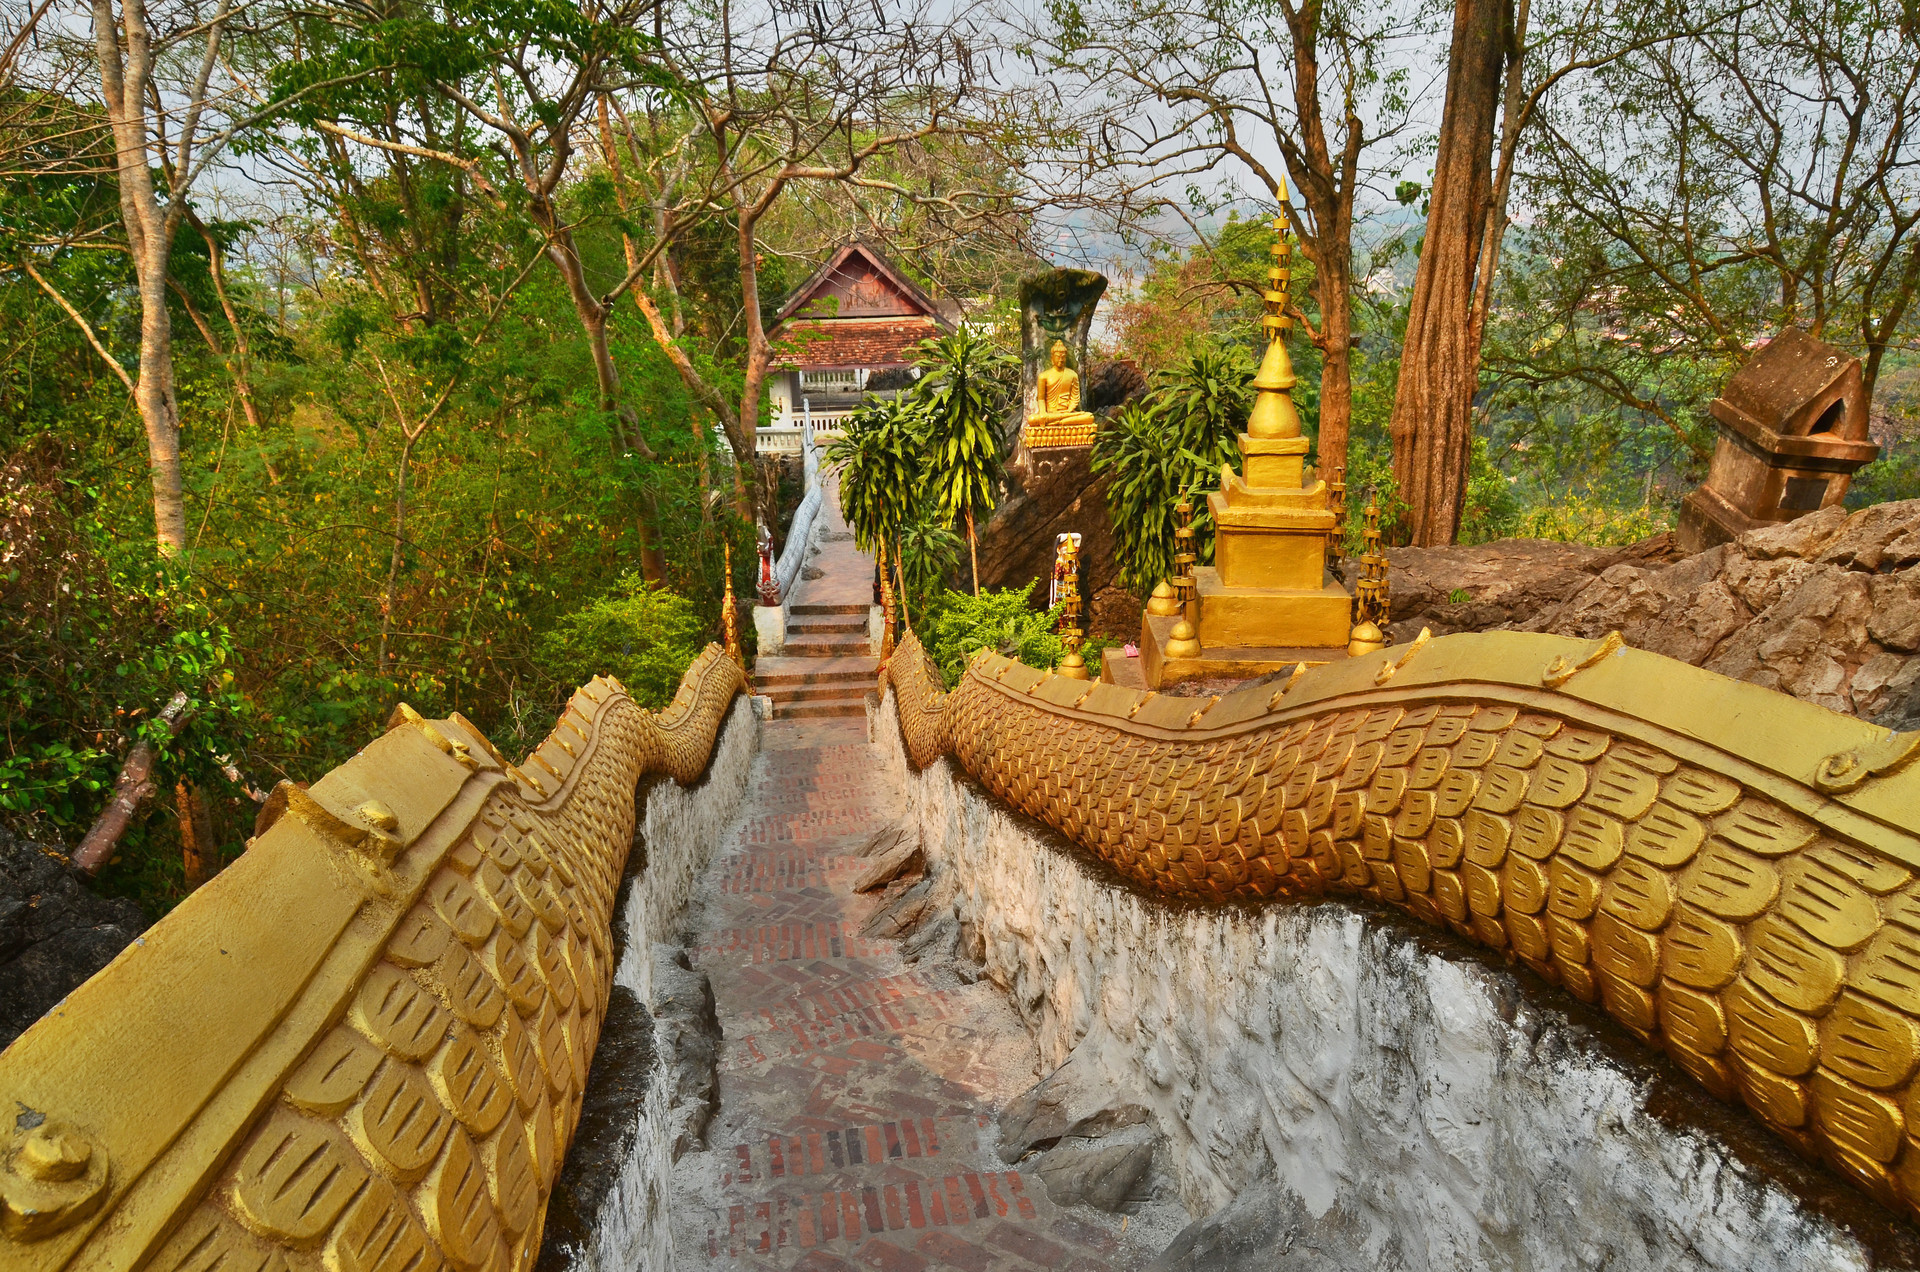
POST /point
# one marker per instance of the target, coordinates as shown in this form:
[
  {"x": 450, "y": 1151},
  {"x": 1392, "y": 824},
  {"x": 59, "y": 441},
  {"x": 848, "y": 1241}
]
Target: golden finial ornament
[
  {"x": 1073, "y": 666},
  {"x": 1163, "y": 603},
  {"x": 1370, "y": 592},
  {"x": 731, "y": 619},
  {"x": 886, "y": 604},
  {"x": 1184, "y": 641},
  {"x": 1183, "y": 554},
  {"x": 1367, "y": 638},
  {"x": 1273, "y": 413}
]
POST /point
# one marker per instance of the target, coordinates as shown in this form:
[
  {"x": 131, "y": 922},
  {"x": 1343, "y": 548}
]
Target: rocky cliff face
[{"x": 1826, "y": 608}]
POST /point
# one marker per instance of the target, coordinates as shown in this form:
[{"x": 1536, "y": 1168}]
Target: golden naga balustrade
[
  {"x": 362, "y": 1046},
  {"x": 1732, "y": 873}
]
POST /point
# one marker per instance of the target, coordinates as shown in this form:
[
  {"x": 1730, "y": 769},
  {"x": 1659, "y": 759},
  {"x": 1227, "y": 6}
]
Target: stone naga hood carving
[{"x": 1729, "y": 872}]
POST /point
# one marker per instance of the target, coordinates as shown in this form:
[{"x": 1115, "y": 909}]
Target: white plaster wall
[
  {"x": 1423, "y": 1112},
  {"x": 682, "y": 828}
]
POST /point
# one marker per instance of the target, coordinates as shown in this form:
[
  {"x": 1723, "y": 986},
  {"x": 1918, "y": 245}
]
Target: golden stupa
[{"x": 1268, "y": 600}]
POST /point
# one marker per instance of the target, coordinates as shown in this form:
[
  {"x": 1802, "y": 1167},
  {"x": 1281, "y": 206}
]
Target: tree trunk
[
  {"x": 131, "y": 789},
  {"x": 593, "y": 321},
  {"x": 242, "y": 351},
  {"x": 632, "y": 252},
  {"x": 159, "y": 411},
  {"x": 1439, "y": 366},
  {"x": 197, "y": 852},
  {"x": 973, "y": 550},
  {"x": 125, "y": 80},
  {"x": 758, "y": 355},
  {"x": 1336, "y": 367}
]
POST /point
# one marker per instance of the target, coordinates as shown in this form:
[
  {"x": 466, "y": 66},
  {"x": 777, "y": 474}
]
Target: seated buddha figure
[{"x": 1058, "y": 391}]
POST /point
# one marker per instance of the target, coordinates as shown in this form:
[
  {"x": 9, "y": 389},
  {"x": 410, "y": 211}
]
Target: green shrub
[
  {"x": 998, "y": 619},
  {"x": 1581, "y": 518},
  {"x": 644, "y": 637},
  {"x": 1171, "y": 443},
  {"x": 95, "y": 637}
]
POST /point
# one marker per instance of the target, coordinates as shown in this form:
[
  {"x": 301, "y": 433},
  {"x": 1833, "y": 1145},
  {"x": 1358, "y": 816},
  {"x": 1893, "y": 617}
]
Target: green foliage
[
  {"x": 1169, "y": 444},
  {"x": 965, "y": 386},
  {"x": 644, "y": 637},
  {"x": 879, "y": 454},
  {"x": 1578, "y": 517},
  {"x": 1490, "y": 510},
  {"x": 999, "y": 619},
  {"x": 96, "y": 637},
  {"x": 929, "y": 552}
]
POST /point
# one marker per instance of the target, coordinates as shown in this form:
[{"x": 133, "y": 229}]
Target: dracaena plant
[
  {"x": 1171, "y": 443},
  {"x": 967, "y": 382}
]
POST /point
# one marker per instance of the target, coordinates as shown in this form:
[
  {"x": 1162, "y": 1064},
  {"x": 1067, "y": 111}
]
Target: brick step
[
  {"x": 778, "y": 670},
  {"x": 827, "y": 647},
  {"x": 775, "y": 685},
  {"x": 819, "y": 710},
  {"x": 805, "y": 610},
  {"x": 828, "y": 627},
  {"x": 833, "y": 690}
]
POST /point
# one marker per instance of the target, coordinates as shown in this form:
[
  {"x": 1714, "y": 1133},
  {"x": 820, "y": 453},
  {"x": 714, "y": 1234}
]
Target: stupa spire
[{"x": 1274, "y": 414}]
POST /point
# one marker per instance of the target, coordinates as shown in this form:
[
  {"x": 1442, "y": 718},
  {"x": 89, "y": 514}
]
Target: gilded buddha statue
[{"x": 1058, "y": 419}]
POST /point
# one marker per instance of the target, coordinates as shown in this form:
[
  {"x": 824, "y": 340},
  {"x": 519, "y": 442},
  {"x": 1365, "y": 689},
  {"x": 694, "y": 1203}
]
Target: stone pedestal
[{"x": 770, "y": 628}]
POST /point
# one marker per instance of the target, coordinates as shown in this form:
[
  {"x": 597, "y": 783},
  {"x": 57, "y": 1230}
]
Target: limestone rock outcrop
[
  {"x": 1826, "y": 608},
  {"x": 54, "y": 932},
  {"x": 1048, "y": 494},
  {"x": 1478, "y": 587}
]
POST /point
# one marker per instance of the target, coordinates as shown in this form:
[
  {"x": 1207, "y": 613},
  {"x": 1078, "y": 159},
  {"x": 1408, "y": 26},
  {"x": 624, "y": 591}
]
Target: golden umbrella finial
[{"x": 1273, "y": 410}]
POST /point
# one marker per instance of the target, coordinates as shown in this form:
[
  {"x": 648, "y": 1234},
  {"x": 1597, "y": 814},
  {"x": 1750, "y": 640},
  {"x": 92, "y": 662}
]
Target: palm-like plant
[
  {"x": 878, "y": 454},
  {"x": 966, "y": 384},
  {"x": 928, "y": 551},
  {"x": 1171, "y": 443}
]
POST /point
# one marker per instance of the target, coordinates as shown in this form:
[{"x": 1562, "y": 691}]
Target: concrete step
[{"x": 804, "y": 610}]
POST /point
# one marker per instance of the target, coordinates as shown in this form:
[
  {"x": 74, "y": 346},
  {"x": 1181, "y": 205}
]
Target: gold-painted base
[
  {"x": 1240, "y": 662},
  {"x": 1261, "y": 616},
  {"x": 1075, "y": 430}
]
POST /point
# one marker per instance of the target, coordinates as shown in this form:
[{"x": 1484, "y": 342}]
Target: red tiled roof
[{"x": 850, "y": 342}]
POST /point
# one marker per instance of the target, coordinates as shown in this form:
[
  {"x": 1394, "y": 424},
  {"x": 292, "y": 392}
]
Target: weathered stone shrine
[{"x": 1793, "y": 431}]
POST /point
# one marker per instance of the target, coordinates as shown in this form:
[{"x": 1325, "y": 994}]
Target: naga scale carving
[
  {"x": 1730, "y": 872},
  {"x": 363, "y": 1046}
]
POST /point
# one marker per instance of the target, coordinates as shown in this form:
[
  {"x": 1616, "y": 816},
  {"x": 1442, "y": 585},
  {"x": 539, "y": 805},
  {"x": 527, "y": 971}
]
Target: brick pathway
[{"x": 857, "y": 1093}]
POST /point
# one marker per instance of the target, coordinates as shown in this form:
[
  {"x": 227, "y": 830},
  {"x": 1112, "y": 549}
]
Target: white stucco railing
[
  {"x": 780, "y": 441},
  {"x": 787, "y": 569}
]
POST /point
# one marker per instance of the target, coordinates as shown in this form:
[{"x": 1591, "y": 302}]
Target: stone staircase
[
  {"x": 825, "y": 669},
  {"x": 826, "y": 631},
  {"x": 825, "y": 666},
  {"x": 818, "y": 685}
]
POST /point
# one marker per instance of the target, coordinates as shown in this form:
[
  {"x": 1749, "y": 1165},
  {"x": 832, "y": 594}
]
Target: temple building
[{"x": 848, "y": 331}]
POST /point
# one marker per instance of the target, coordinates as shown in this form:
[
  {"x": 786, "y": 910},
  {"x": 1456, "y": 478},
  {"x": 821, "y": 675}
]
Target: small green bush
[
  {"x": 1002, "y": 620},
  {"x": 1581, "y": 518},
  {"x": 644, "y": 637}
]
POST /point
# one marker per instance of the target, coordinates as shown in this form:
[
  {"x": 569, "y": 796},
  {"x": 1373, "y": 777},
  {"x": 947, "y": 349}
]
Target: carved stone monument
[
  {"x": 1793, "y": 430},
  {"x": 1056, "y": 316}
]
